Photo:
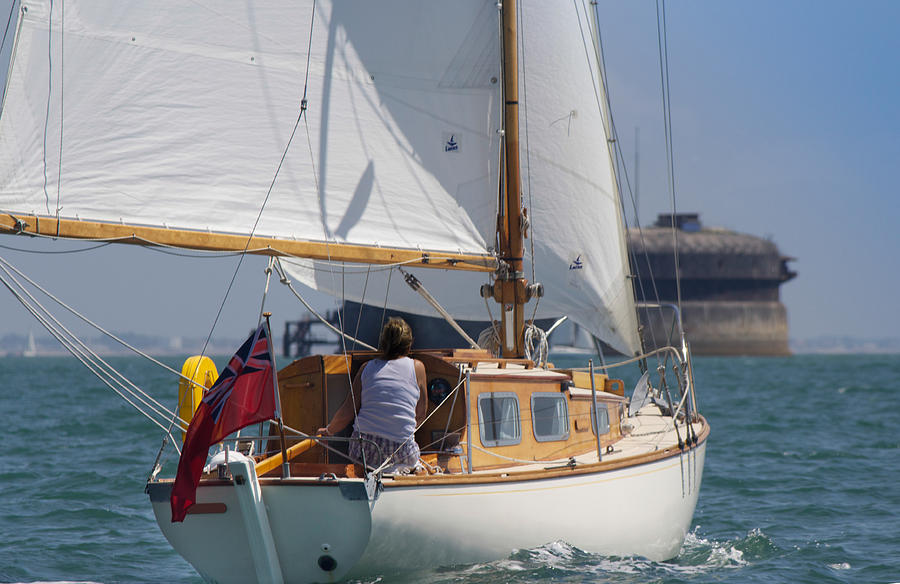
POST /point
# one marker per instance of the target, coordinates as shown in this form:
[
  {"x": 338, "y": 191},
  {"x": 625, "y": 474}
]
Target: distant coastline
[
  {"x": 844, "y": 345},
  {"x": 15, "y": 345}
]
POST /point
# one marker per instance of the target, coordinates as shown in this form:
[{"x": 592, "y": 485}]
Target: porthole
[
  {"x": 438, "y": 390},
  {"x": 498, "y": 419},
  {"x": 549, "y": 417}
]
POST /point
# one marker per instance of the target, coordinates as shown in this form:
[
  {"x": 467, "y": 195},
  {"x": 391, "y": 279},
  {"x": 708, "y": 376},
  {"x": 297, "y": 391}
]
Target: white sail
[
  {"x": 568, "y": 186},
  {"x": 568, "y": 181},
  {"x": 177, "y": 114}
]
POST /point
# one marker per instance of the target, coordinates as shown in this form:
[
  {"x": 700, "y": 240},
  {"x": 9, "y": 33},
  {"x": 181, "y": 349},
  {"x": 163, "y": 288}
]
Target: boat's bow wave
[{"x": 559, "y": 561}]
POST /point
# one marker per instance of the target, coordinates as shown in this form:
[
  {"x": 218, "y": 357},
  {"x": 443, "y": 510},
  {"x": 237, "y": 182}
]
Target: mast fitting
[
  {"x": 512, "y": 290},
  {"x": 20, "y": 226}
]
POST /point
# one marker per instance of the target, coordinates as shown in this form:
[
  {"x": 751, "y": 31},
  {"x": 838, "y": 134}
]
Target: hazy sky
[{"x": 785, "y": 124}]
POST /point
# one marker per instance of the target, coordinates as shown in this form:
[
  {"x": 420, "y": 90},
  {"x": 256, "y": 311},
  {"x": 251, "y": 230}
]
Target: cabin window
[
  {"x": 498, "y": 419},
  {"x": 549, "y": 417},
  {"x": 603, "y": 423}
]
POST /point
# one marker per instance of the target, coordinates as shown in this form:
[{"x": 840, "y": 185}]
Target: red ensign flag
[{"x": 242, "y": 395}]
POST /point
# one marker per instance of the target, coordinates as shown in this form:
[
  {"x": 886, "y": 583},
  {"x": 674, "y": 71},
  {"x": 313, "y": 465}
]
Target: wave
[{"x": 560, "y": 562}]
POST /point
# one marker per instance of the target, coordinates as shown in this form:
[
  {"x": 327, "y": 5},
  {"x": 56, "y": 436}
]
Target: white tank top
[{"x": 389, "y": 397}]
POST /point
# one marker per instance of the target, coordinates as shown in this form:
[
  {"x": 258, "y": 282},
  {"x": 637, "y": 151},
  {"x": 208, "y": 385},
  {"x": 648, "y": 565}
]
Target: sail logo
[
  {"x": 451, "y": 142},
  {"x": 577, "y": 264}
]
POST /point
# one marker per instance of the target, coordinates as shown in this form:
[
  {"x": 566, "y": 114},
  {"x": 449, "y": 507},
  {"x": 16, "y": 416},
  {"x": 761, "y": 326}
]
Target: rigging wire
[
  {"x": 300, "y": 116},
  {"x": 387, "y": 459},
  {"x": 49, "y": 95},
  {"x": 250, "y": 235},
  {"x": 490, "y": 338},
  {"x": 663, "y": 45},
  {"x": 387, "y": 290},
  {"x": 594, "y": 83},
  {"x": 622, "y": 174},
  {"x": 265, "y": 295},
  {"x": 528, "y": 228},
  {"x": 88, "y": 321},
  {"x": 62, "y": 117},
  {"x": 303, "y": 104},
  {"x": 340, "y": 329},
  {"x": 524, "y": 76},
  {"x": 98, "y": 366},
  {"x": 89, "y": 358},
  {"x": 12, "y": 10},
  {"x": 53, "y": 252},
  {"x": 417, "y": 286},
  {"x": 361, "y": 301},
  {"x": 605, "y": 100},
  {"x": 323, "y": 320}
]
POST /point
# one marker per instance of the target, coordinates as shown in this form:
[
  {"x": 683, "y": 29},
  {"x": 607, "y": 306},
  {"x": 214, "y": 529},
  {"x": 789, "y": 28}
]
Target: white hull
[
  {"x": 643, "y": 510},
  {"x": 640, "y": 511},
  {"x": 307, "y": 522}
]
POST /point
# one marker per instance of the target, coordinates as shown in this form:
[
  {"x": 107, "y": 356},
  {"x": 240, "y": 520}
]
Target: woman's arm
[{"x": 421, "y": 381}]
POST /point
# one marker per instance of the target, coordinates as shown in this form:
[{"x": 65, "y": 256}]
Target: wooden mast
[{"x": 511, "y": 287}]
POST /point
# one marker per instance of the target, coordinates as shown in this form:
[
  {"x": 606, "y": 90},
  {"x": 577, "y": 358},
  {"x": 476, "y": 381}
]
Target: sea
[{"x": 802, "y": 481}]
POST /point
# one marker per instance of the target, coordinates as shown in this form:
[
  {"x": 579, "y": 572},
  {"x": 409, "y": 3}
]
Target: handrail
[
  {"x": 666, "y": 349},
  {"x": 678, "y": 320},
  {"x": 274, "y": 461},
  {"x": 684, "y": 379}
]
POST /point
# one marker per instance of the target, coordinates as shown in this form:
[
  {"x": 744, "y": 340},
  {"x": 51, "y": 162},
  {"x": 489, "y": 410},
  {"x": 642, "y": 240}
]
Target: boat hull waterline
[{"x": 640, "y": 510}]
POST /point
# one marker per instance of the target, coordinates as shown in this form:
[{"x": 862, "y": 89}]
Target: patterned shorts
[{"x": 377, "y": 448}]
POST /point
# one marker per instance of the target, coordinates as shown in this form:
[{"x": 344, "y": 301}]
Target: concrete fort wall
[{"x": 725, "y": 327}]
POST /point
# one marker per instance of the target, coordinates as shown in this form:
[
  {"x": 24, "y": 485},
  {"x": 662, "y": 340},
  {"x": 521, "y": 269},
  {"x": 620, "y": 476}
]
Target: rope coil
[{"x": 537, "y": 347}]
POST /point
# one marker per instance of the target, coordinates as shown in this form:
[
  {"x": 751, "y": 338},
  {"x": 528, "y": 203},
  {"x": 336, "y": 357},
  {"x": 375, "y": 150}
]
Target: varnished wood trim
[
  {"x": 406, "y": 481},
  {"x": 581, "y": 469},
  {"x": 538, "y": 378},
  {"x": 200, "y": 240},
  {"x": 337, "y": 364},
  {"x": 437, "y": 480},
  {"x": 501, "y": 362},
  {"x": 602, "y": 396},
  {"x": 273, "y": 462}
]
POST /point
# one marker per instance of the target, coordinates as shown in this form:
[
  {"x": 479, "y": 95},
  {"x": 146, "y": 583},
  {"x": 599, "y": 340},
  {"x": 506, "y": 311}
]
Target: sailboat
[
  {"x": 31, "y": 347},
  {"x": 464, "y": 147}
]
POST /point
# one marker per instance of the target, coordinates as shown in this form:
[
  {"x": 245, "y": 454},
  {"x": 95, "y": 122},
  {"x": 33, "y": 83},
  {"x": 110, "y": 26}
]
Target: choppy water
[{"x": 802, "y": 481}]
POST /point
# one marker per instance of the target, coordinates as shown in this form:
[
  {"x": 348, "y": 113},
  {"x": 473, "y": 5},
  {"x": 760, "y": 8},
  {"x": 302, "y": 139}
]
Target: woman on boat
[{"x": 388, "y": 400}]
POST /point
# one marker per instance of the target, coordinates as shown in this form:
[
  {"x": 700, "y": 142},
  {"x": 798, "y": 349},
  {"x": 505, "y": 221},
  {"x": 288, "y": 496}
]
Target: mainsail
[
  {"x": 177, "y": 115},
  {"x": 134, "y": 117}
]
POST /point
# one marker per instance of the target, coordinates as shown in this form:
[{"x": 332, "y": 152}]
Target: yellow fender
[{"x": 202, "y": 372}]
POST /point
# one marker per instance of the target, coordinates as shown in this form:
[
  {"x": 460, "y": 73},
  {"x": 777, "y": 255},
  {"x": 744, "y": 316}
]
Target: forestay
[
  {"x": 177, "y": 114},
  {"x": 568, "y": 186}
]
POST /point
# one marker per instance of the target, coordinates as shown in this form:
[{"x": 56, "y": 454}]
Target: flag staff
[{"x": 285, "y": 464}]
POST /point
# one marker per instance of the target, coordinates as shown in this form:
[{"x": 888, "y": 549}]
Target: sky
[{"x": 785, "y": 125}]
